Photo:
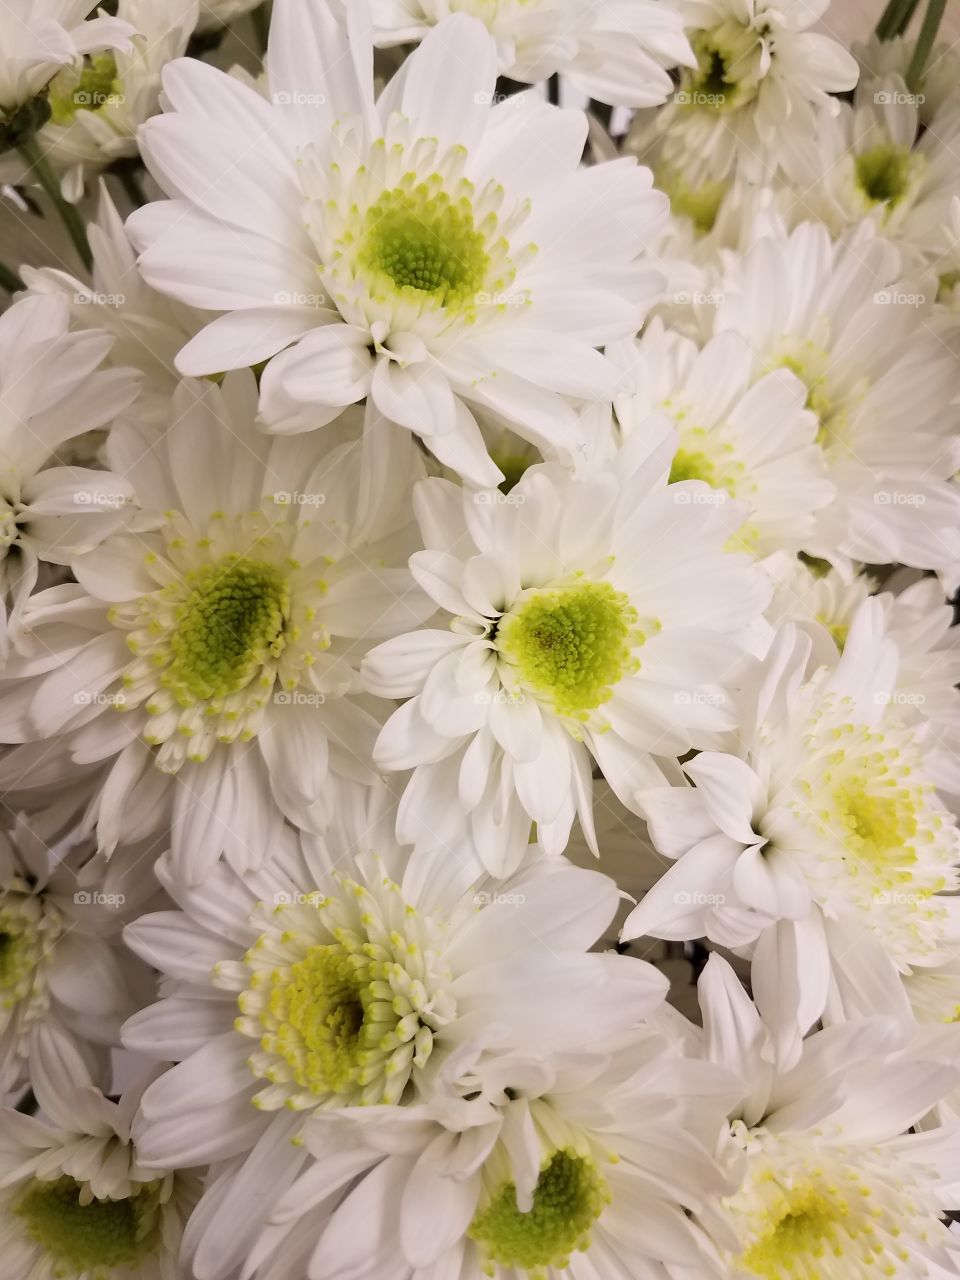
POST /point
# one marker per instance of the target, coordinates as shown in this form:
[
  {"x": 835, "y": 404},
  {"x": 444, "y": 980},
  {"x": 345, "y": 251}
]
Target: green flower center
[
  {"x": 424, "y": 244},
  {"x": 570, "y": 1196},
  {"x": 97, "y": 83},
  {"x": 883, "y": 173},
  {"x": 725, "y": 61},
  {"x": 806, "y": 1230},
  {"x": 90, "y": 1238},
  {"x": 229, "y": 624},
  {"x": 24, "y": 944},
  {"x": 700, "y": 204},
  {"x": 571, "y": 644}
]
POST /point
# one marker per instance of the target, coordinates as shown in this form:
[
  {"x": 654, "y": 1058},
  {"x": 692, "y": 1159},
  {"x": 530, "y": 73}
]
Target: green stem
[
  {"x": 9, "y": 280},
  {"x": 44, "y": 174},
  {"x": 925, "y": 42},
  {"x": 896, "y": 18},
  {"x": 261, "y": 24}
]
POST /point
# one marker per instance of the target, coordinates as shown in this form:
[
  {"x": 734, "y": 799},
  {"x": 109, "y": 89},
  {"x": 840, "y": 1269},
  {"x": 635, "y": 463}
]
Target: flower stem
[
  {"x": 925, "y": 41},
  {"x": 44, "y": 174},
  {"x": 9, "y": 280},
  {"x": 896, "y": 18}
]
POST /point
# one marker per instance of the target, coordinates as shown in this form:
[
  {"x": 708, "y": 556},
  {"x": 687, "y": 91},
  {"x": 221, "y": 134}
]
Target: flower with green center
[
  {"x": 345, "y": 994},
  {"x": 29, "y": 929},
  {"x": 87, "y": 1237},
  {"x": 700, "y": 203},
  {"x": 569, "y": 1197},
  {"x": 95, "y": 86},
  {"x": 569, "y": 645},
  {"x": 884, "y": 173}
]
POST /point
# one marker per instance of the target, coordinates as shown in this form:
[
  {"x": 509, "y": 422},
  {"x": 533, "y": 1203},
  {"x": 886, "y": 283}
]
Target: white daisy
[
  {"x": 753, "y": 440},
  {"x": 833, "y": 1183},
  {"x": 821, "y": 600},
  {"x": 227, "y": 632},
  {"x": 76, "y": 1200},
  {"x": 594, "y": 619},
  {"x": 761, "y": 79},
  {"x": 43, "y": 36},
  {"x": 821, "y": 847},
  {"x": 614, "y": 53},
  {"x": 841, "y": 317},
  {"x": 572, "y": 1168},
  {"x": 98, "y": 105},
  {"x": 350, "y": 974},
  {"x": 52, "y": 390},
  {"x": 60, "y": 962},
  {"x": 880, "y": 59},
  {"x": 425, "y": 250}
]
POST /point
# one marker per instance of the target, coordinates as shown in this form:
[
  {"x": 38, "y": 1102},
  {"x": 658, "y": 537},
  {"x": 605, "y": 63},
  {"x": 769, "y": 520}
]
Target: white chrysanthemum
[
  {"x": 59, "y": 959},
  {"x": 832, "y": 1182},
  {"x": 859, "y": 336},
  {"x": 328, "y": 980},
  {"x": 572, "y": 1167},
  {"x": 754, "y": 441},
  {"x": 593, "y": 619},
  {"x": 76, "y": 1200},
  {"x": 226, "y": 633},
  {"x": 425, "y": 251},
  {"x": 148, "y": 328},
  {"x": 52, "y": 390},
  {"x": 872, "y": 160},
  {"x": 41, "y": 37},
  {"x": 613, "y": 53},
  {"x": 761, "y": 80},
  {"x": 880, "y": 59},
  {"x": 821, "y": 847},
  {"x": 98, "y": 105}
]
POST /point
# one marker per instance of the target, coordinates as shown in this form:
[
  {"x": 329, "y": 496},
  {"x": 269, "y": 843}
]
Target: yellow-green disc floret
[
  {"x": 883, "y": 173},
  {"x": 571, "y": 644},
  {"x": 569, "y": 1197},
  {"x": 89, "y": 1237},
  {"x": 228, "y": 625},
  {"x": 96, "y": 85},
  {"x": 420, "y": 241},
  {"x": 879, "y": 826},
  {"x": 808, "y": 1227}
]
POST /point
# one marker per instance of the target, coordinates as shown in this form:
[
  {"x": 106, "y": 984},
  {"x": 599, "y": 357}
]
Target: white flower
[
  {"x": 350, "y": 974},
  {"x": 568, "y": 1168},
  {"x": 76, "y": 1200},
  {"x": 425, "y": 251},
  {"x": 614, "y": 53},
  {"x": 97, "y": 107},
  {"x": 873, "y": 161},
  {"x": 753, "y": 440},
  {"x": 821, "y": 848},
  {"x": 60, "y": 963},
  {"x": 52, "y": 390},
  {"x": 760, "y": 82},
  {"x": 880, "y": 59},
  {"x": 42, "y": 36},
  {"x": 841, "y": 317},
  {"x": 227, "y": 631},
  {"x": 833, "y": 1183},
  {"x": 584, "y": 619}
]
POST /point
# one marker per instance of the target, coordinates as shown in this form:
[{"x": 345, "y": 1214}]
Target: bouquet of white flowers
[{"x": 479, "y": 517}]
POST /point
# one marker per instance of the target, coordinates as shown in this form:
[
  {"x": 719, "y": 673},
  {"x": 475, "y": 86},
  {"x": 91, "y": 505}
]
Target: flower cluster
[{"x": 478, "y": 694}]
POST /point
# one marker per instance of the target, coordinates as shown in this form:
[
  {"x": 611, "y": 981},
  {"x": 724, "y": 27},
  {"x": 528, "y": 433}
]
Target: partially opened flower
[
  {"x": 351, "y": 975},
  {"x": 425, "y": 250},
  {"x": 820, "y": 849},
  {"x": 211, "y": 654},
  {"x": 596, "y": 619}
]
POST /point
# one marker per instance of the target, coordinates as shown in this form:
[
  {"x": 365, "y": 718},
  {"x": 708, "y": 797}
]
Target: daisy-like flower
[
  {"x": 761, "y": 79},
  {"x": 873, "y": 161},
  {"x": 821, "y": 848},
  {"x": 753, "y": 440},
  {"x": 832, "y": 1183},
  {"x": 880, "y": 59},
  {"x": 593, "y": 619},
  {"x": 76, "y": 1200},
  {"x": 566, "y": 1168},
  {"x": 840, "y": 316},
  {"x": 98, "y": 104},
  {"x": 52, "y": 390},
  {"x": 338, "y": 977},
  {"x": 426, "y": 251},
  {"x": 41, "y": 37},
  {"x": 821, "y": 600},
  {"x": 226, "y": 632},
  {"x": 60, "y": 962},
  {"x": 614, "y": 53}
]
